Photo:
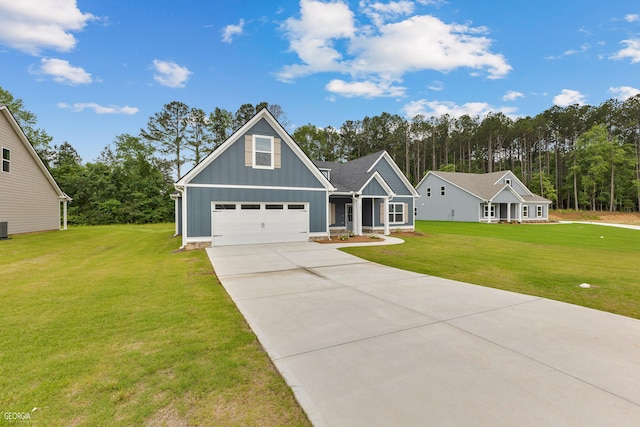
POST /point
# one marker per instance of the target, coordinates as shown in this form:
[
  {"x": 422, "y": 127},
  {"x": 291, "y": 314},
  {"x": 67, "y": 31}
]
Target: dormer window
[{"x": 507, "y": 181}]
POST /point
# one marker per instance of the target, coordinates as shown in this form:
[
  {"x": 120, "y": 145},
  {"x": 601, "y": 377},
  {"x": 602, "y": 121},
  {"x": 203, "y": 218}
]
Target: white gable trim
[
  {"x": 398, "y": 172},
  {"x": 381, "y": 181},
  {"x": 513, "y": 177},
  {"x": 507, "y": 187},
  {"x": 285, "y": 137},
  {"x": 23, "y": 138}
]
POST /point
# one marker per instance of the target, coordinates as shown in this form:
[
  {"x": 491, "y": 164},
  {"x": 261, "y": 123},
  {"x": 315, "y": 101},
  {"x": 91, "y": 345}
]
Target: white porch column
[
  {"x": 358, "y": 231},
  {"x": 64, "y": 214},
  {"x": 354, "y": 214},
  {"x": 386, "y": 216},
  {"x": 508, "y": 212},
  {"x": 184, "y": 217},
  {"x": 520, "y": 212},
  {"x": 489, "y": 212}
]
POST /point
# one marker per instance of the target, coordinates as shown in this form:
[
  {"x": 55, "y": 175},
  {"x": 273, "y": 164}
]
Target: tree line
[{"x": 580, "y": 156}]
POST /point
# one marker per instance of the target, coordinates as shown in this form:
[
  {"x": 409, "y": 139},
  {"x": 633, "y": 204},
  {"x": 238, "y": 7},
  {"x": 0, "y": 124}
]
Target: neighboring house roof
[
  {"x": 286, "y": 138},
  {"x": 354, "y": 175},
  {"x": 485, "y": 186},
  {"x": 4, "y": 110}
]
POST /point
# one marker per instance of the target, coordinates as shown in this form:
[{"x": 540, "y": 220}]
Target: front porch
[{"x": 358, "y": 214}]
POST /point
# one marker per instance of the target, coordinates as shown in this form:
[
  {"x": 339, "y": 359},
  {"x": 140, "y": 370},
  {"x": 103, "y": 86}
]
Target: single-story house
[
  {"x": 472, "y": 197},
  {"x": 260, "y": 187},
  {"x": 30, "y": 199}
]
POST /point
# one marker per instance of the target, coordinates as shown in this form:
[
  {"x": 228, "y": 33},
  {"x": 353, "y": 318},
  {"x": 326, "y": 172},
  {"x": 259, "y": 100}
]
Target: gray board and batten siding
[{"x": 228, "y": 179}]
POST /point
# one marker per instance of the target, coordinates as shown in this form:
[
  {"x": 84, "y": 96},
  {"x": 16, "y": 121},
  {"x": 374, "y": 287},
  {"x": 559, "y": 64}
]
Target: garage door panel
[{"x": 250, "y": 226}]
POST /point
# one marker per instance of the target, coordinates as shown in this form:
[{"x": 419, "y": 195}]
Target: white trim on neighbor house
[
  {"x": 5, "y": 162},
  {"x": 253, "y": 187},
  {"x": 510, "y": 188}
]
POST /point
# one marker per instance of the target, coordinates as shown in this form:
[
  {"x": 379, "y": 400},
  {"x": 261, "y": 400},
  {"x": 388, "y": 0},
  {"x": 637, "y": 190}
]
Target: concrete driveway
[{"x": 367, "y": 345}]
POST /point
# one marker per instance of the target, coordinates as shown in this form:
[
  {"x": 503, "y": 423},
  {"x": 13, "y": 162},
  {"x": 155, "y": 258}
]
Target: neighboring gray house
[
  {"x": 30, "y": 199},
  {"x": 260, "y": 187},
  {"x": 470, "y": 197}
]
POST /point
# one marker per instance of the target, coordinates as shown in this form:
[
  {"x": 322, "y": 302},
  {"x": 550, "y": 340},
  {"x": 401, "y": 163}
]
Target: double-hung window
[
  {"x": 396, "y": 213},
  {"x": 428, "y": 191},
  {"x": 6, "y": 160},
  {"x": 488, "y": 211},
  {"x": 525, "y": 211},
  {"x": 262, "y": 152},
  {"x": 539, "y": 211}
]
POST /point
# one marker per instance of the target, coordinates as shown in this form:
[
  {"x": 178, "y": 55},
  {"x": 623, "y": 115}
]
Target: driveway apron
[{"x": 363, "y": 344}]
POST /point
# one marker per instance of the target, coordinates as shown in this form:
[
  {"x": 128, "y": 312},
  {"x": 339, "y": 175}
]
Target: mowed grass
[
  {"x": 547, "y": 260},
  {"x": 110, "y": 326}
]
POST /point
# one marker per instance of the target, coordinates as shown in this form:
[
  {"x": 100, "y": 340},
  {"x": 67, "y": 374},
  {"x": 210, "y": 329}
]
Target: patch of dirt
[
  {"x": 408, "y": 233},
  {"x": 353, "y": 239},
  {"x": 596, "y": 216}
]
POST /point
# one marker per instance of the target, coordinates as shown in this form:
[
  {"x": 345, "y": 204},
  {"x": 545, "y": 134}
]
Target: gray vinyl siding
[
  {"x": 229, "y": 167},
  {"x": 506, "y": 196},
  {"x": 455, "y": 205},
  {"x": 391, "y": 178},
  {"x": 199, "y": 205},
  {"x": 409, "y": 215},
  {"x": 340, "y": 210},
  {"x": 28, "y": 201},
  {"x": 374, "y": 189}
]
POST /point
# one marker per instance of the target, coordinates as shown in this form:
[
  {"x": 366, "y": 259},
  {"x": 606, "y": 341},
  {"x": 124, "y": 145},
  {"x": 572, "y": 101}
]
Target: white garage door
[{"x": 250, "y": 223}]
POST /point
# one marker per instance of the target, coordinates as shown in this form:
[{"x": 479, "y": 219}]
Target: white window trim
[
  {"x": 486, "y": 208},
  {"x": 428, "y": 193},
  {"x": 525, "y": 211},
  {"x": 2, "y": 159},
  {"x": 443, "y": 190},
  {"x": 394, "y": 212},
  {"x": 254, "y": 152},
  {"x": 539, "y": 211}
]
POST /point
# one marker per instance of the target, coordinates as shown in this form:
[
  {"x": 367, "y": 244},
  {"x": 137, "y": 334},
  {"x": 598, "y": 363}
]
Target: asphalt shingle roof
[
  {"x": 483, "y": 185},
  {"x": 352, "y": 175}
]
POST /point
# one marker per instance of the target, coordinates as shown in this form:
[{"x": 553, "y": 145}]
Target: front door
[{"x": 349, "y": 216}]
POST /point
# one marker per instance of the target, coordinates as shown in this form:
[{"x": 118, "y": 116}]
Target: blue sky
[{"x": 91, "y": 70}]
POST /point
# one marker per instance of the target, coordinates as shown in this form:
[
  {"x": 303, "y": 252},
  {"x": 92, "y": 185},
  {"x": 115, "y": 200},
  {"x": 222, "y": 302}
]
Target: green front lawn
[
  {"x": 547, "y": 260},
  {"x": 108, "y": 326}
]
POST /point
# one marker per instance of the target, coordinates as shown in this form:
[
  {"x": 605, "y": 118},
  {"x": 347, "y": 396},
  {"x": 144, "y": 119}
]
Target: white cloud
[
  {"x": 569, "y": 97},
  {"x": 440, "y": 108},
  {"x": 327, "y": 38},
  {"x": 436, "y": 86},
  {"x": 379, "y": 12},
  {"x": 632, "y": 51},
  {"x": 512, "y": 95},
  {"x": 624, "y": 92},
  {"x": 170, "y": 74},
  {"x": 583, "y": 48},
  {"x": 632, "y": 17},
  {"x": 62, "y": 72},
  {"x": 230, "y": 31},
  {"x": 366, "y": 89},
  {"x": 98, "y": 109},
  {"x": 34, "y": 25}
]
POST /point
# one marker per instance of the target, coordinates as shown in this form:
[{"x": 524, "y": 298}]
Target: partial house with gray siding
[
  {"x": 260, "y": 187},
  {"x": 31, "y": 199},
  {"x": 470, "y": 197}
]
